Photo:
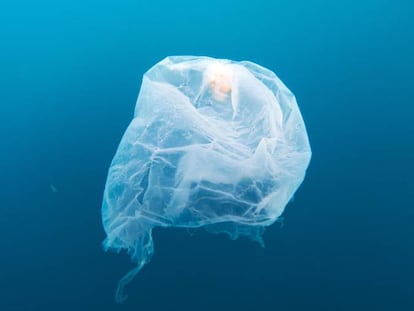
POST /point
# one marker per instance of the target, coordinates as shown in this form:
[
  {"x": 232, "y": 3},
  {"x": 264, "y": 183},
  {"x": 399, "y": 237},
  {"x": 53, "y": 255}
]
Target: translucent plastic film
[{"x": 213, "y": 143}]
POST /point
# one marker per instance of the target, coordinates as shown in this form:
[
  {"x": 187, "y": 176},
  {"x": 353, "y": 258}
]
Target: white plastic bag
[{"x": 213, "y": 143}]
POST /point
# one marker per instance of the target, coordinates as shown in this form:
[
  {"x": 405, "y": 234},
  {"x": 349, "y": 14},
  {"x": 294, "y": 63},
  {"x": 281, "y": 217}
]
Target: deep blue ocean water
[{"x": 70, "y": 72}]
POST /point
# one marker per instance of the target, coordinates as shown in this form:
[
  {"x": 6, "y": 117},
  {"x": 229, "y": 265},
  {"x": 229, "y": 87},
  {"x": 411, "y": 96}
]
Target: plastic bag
[{"x": 213, "y": 143}]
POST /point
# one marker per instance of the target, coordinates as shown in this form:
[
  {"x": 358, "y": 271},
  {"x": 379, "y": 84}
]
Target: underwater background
[{"x": 70, "y": 73}]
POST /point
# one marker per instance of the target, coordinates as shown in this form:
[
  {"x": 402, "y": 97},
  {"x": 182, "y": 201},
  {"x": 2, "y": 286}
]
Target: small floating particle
[{"x": 53, "y": 188}]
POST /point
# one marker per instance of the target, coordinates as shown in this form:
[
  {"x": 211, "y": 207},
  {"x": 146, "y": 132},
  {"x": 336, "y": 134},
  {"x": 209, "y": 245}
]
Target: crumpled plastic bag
[{"x": 213, "y": 143}]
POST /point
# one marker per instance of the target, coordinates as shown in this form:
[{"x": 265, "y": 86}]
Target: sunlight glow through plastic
[{"x": 213, "y": 143}]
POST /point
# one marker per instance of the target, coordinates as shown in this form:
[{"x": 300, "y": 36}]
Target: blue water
[{"x": 70, "y": 73}]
